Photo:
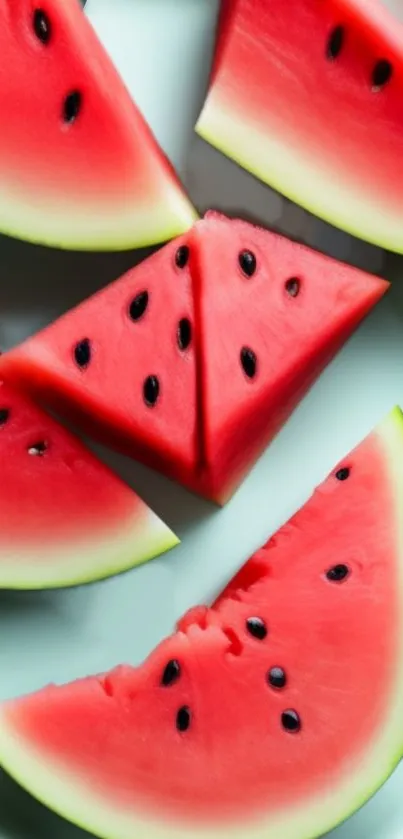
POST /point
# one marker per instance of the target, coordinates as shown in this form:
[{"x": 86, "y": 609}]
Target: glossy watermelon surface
[
  {"x": 81, "y": 168},
  {"x": 308, "y": 97},
  {"x": 273, "y": 313},
  {"x": 276, "y": 712},
  {"x": 65, "y": 518},
  {"x": 116, "y": 365},
  {"x": 193, "y": 361}
]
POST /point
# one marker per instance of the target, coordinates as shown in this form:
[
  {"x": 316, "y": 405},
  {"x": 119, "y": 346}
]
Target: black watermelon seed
[
  {"x": 343, "y": 474},
  {"x": 381, "y": 74},
  {"x": 338, "y": 573},
  {"x": 184, "y": 334},
  {"x": 82, "y": 353},
  {"x": 151, "y": 390},
  {"x": 247, "y": 261},
  {"x": 290, "y": 721},
  {"x": 182, "y": 256},
  {"x": 4, "y": 415},
  {"x": 38, "y": 449},
  {"x": 72, "y": 106},
  {"x": 277, "y": 678},
  {"x": 183, "y": 718},
  {"x": 171, "y": 673},
  {"x": 335, "y": 43},
  {"x": 257, "y": 628},
  {"x": 293, "y": 286},
  {"x": 42, "y": 27},
  {"x": 249, "y": 362},
  {"x": 138, "y": 305}
]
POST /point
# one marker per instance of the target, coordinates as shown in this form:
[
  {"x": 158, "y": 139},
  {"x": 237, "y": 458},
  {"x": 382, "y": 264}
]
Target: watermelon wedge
[
  {"x": 308, "y": 97},
  {"x": 65, "y": 518},
  {"x": 192, "y": 361},
  {"x": 277, "y": 712},
  {"x": 81, "y": 168}
]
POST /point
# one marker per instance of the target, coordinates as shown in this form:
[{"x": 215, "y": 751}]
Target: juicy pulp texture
[
  {"x": 308, "y": 97},
  {"x": 81, "y": 167},
  {"x": 128, "y": 351},
  {"x": 294, "y": 313},
  {"x": 226, "y": 10},
  {"x": 197, "y": 742},
  {"x": 65, "y": 518},
  {"x": 210, "y": 419}
]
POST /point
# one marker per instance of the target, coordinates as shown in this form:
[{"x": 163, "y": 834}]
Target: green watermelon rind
[
  {"x": 128, "y": 545},
  {"x": 297, "y": 177},
  {"x": 69, "y": 796},
  {"x": 108, "y": 823}
]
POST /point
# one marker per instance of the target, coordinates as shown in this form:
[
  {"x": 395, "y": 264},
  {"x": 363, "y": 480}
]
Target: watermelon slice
[
  {"x": 308, "y": 97},
  {"x": 65, "y": 518},
  {"x": 193, "y": 360},
  {"x": 81, "y": 168},
  {"x": 277, "y": 712}
]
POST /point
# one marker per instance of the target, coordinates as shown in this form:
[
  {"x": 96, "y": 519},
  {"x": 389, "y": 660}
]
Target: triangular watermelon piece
[
  {"x": 65, "y": 518},
  {"x": 308, "y": 97},
  {"x": 115, "y": 365},
  {"x": 233, "y": 325},
  {"x": 81, "y": 168},
  {"x": 273, "y": 325},
  {"x": 276, "y": 713}
]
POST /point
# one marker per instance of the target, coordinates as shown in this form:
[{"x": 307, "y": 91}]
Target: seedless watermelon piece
[
  {"x": 277, "y": 712},
  {"x": 226, "y": 10},
  {"x": 273, "y": 313},
  {"x": 194, "y": 360},
  {"x": 65, "y": 518},
  {"x": 81, "y": 168},
  {"x": 308, "y": 97}
]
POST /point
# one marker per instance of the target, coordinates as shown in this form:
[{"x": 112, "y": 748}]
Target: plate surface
[{"x": 163, "y": 49}]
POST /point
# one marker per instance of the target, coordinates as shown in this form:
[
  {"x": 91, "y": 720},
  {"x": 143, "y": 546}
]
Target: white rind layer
[
  {"x": 293, "y": 172},
  {"x": 99, "y": 226},
  {"x": 131, "y": 542}
]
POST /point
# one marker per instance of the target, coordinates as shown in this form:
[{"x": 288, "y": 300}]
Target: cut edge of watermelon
[
  {"x": 57, "y": 788},
  {"x": 131, "y": 543},
  {"x": 296, "y": 176},
  {"x": 137, "y": 225}
]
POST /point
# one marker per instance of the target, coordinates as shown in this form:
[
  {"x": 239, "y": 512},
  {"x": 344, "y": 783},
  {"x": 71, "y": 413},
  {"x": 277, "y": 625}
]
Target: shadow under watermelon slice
[{"x": 277, "y": 712}]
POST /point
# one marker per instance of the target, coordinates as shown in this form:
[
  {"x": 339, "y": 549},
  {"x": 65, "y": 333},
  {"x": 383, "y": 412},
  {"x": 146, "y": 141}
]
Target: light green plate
[{"x": 58, "y": 636}]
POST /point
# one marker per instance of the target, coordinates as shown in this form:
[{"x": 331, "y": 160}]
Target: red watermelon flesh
[
  {"x": 301, "y": 307},
  {"x": 308, "y": 97},
  {"x": 224, "y": 27},
  {"x": 65, "y": 518},
  {"x": 115, "y": 363},
  {"x": 256, "y": 337},
  {"x": 275, "y": 713},
  {"x": 81, "y": 167}
]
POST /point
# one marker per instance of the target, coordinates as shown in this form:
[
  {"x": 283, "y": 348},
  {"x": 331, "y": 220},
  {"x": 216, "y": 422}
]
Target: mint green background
[{"x": 163, "y": 49}]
